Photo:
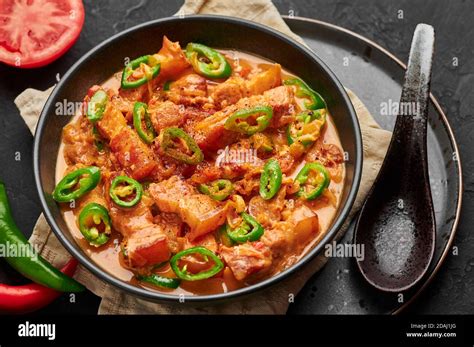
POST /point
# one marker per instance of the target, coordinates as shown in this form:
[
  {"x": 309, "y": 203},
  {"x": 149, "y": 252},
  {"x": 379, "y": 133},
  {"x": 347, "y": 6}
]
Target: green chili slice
[
  {"x": 239, "y": 121},
  {"x": 270, "y": 179},
  {"x": 248, "y": 230},
  {"x": 218, "y": 189},
  {"x": 198, "y": 250},
  {"x": 306, "y": 127},
  {"x": 76, "y": 184},
  {"x": 140, "y": 118},
  {"x": 313, "y": 179},
  {"x": 177, "y": 144},
  {"x": 207, "y": 61},
  {"x": 166, "y": 86},
  {"x": 95, "y": 224},
  {"x": 314, "y": 100},
  {"x": 124, "y": 250},
  {"x": 150, "y": 72},
  {"x": 223, "y": 236},
  {"x": 160, "y": 281},
  {"x": 96, "y": 105},
  {"x": 99, "y": 143},
  {"x": 123, "y": 187}
]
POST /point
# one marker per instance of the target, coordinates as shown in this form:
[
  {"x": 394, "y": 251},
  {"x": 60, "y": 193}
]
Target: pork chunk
[
  {"x": 133, "y": 155},
  {"x": 146, "y": 242},
  {"x": 236, "y": 88},
  {"x": 229, "y": 92},
  {"x": 265, "y": 80},
  {"x": 165, "y": 114},
  {"x": 171, "y": 58},
  {"x": 267, "y": 212},
  {"x": 112, "y": 122},
  {"x": 189, "y": 90},
  {"x": 247, "y": 259},
  {"x": 210, "y": 134},
  {"x": 289, "y": 236},
  {"x": 148, "y": 246},
  {"x": 198, "y": 211},
  {"x": 281, "y": 99}
]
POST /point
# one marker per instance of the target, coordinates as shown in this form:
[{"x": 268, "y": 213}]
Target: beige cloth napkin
[{"x": 274, "y": 300}]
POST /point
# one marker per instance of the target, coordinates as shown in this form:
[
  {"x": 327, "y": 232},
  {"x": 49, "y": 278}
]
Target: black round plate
[{"x": 376, "y": 76}]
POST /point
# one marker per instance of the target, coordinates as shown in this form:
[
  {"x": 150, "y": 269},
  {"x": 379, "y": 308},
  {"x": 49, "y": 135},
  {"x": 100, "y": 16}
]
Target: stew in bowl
[{"x": 199, "y": 170}]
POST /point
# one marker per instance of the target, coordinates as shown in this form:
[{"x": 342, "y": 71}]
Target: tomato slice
[{"x": 34, "y": 33}]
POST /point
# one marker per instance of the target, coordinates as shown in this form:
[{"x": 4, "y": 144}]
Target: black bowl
[{"x": 216, "y": 31}]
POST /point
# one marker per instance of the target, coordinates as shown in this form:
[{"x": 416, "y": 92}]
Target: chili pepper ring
[
  {"x": 217, "y": 190},
  {"x": 303, "y": 90},
  {"x": 168, "y": 145},
  {"x": 130, "y": 69},
  {"x": 203, "y": 251},
  {"x": 249, "y": 230},
  {"x": 140, "y": 116},
  {"x": 94, "y": 214},
  {"x": 116, "y": 191},
  {"x": 317, "y": 185},
  {"x": 238, "y": 121},
  {"x": 73, "y": 186},
  {"x": 270, "y": 179},
  {"x": 96, "y": 105},
  {"x": 216, "y": 65}
]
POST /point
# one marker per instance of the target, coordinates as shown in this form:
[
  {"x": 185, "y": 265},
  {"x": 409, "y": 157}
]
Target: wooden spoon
[{"x": 397, "y": 223}]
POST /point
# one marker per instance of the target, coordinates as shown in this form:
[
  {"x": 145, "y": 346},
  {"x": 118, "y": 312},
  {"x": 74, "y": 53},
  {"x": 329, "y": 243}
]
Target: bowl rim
[{"x": 102, "y": 274}]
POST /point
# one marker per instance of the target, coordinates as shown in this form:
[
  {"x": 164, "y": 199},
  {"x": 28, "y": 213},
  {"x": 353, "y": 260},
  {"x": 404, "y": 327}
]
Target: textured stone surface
[{"x": 453, "y": 289}]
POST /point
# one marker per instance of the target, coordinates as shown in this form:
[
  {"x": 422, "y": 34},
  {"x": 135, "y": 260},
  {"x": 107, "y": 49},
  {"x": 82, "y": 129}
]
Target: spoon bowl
[{"x": 396, "y": 224}]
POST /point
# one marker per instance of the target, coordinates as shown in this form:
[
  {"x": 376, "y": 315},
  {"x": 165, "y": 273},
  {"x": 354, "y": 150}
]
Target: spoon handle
[{"x": 410, "y": 127}]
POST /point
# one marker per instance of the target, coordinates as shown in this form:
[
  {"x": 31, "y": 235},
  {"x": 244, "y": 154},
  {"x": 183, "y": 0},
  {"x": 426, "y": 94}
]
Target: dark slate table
[{"x": 453, "y": 289}]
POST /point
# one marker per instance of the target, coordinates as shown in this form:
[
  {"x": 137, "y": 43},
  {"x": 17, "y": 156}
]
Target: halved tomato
[{"x": 34, "y": 33}]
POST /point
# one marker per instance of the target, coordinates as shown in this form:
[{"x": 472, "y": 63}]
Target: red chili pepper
[{"x": 33, "y": 296}]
